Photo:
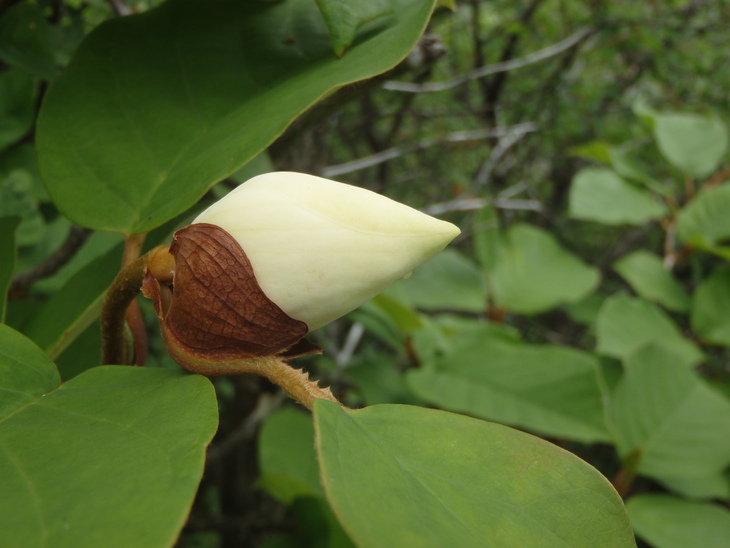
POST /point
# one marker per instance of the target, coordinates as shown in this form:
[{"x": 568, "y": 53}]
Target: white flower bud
[{"x": 319, "y": 248}]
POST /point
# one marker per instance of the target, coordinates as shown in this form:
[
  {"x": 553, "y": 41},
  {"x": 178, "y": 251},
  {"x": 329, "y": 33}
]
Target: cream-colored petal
[{"x": 319, "y": 248}]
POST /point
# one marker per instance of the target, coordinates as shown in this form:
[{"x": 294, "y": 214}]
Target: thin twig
[
  {"x": 396, "y": 152},
  {"x": 354, "y": 336},
  {"x": 266, "y": 404},
  {"x": 22, "y": 282},
  {"x": 512, "y": 64},
  {"x": 503, "y": 145},
  {"x": 119, "y": 7}
]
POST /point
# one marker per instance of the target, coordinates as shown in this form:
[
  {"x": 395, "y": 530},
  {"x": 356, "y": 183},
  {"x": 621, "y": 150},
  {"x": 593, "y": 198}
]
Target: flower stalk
[{"x": 122, "y": 292}]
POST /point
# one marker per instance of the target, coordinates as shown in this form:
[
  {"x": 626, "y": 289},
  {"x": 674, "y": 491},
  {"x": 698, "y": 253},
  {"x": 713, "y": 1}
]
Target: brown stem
[
  {"x": 295, "y": 382},
  {"x": 22, "y": 282},
  {"x": 123, "y": 290},
  {"x": 624, "y": 478},
  {"x": 132, "y": 248},
  {"x": 139, "y": 333}
]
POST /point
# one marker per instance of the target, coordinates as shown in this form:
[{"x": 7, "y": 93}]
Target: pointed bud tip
[{"x": 320, "y": 248}]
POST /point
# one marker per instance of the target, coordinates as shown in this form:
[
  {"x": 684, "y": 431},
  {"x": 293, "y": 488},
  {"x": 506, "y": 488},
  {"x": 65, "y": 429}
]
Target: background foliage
[{"x": 582, "y": 147}]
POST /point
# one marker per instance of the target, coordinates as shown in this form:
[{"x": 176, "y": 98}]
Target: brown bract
[{"x": 215, "y": 309}]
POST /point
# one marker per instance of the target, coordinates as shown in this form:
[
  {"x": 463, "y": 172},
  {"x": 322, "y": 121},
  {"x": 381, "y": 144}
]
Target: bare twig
[
  {"x": 512, "y": 64},
  {"x": 473, "y": 204},
  {"x": 266, "y": 404},
  {"x": 120, "y": 7},
  {"x": 22, "y": 282},
  {"x": 354, "y": 336},
  {"x": 396, "y": 152},
  {"x": 505, "y": 142}
]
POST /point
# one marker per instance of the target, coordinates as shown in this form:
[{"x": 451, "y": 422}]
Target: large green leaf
[
  {"x": 625, "y": 324},
  {"x": 599, "y": 194},
  {"x": 111, "y": 458},
  {"x": 408, "y": 476},
  {"x": 7, "y": 258},
  {"x": 664, "y": 413},
  {"x": 26, "y": 373},
  {"x": 344, "y": 17},
  {"x": 647, "y": 276},
  {"x": 670, "y": 522},
  {"x": 547, "y": 389},
  {"x": 155, "y": 108},
  {"x": 695, "y": 144},
  {"x": 704, "y": 221},
  {"x": 70, "y": 310},
  {"x": 711, "y": 308},
  {"x": 535, "y": 273}
]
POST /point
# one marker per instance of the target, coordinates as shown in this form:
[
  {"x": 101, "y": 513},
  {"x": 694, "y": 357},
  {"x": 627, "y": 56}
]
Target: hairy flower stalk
[{"x": 281, "y": 255}]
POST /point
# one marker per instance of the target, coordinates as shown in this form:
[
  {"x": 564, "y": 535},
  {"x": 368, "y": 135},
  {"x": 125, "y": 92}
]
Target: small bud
[{"x": 319, "y": 248}]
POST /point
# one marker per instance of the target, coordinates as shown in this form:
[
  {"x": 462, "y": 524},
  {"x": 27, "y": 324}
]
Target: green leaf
[
  {"x": 695, "y": 144},
  {"x": 403, "y": 316},
  {"x": 448, "y": 281},
  {"x": 70, "y": 310},
  {"x": 600, "y": 195},
  {"x": 534, "y": 273},
  {"x": 586, "y": 310},
  {"x": 547, "y": 389},
  {"x": 621, "y": 161},
  {"x": 26, "y": 373},
  {"x": 316, "y": 526},
  {"x": 111, "y": 458},
  {"x": 669, "y": 522},
  {"x": 409, "y": 476},
  {"x": 628, "y": 167},
  {"x": 626, "y": 323},
  {"x": 345, "y": 17},
  {"x": 664, "y": 412},
  {"x": 646, "y": 274},
  {"x": 26, "y": 40},
  {"x": 22, "y": 158},
  {"x": 16, "y": 199},
  {"x": 710, "y": 305},
  {"x": 155, "y": 108},
  {"x": 712, "y": 486},
  {"x": 378, "y": 377},
  {"x": 704, "y": 221},
  {"x": 7, "y": 259},
  {"x": 17, "y": 105},
  {"x": 598, "y": 151},
  {"x": 286, "y": 456},
  {"x": 378, "y": 322},
  {"x": 290, "y": 472},
  {"x": 83, "y": 353}
]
